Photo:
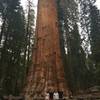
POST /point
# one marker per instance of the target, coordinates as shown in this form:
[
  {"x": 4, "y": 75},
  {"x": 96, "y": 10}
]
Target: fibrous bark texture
[{"x": 47, "y": 72}]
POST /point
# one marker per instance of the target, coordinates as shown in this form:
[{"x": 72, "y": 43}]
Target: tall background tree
[
  {"x": 95, "y": 40},
  {"x": 30, "y": 33},
  {"x": 16, "y": 42},
  {"x": 75, "y": 57},
  {"x": 89, "y": 18}
]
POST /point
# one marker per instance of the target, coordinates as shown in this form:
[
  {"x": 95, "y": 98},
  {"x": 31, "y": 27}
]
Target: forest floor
[{"x": 89, "y": 96}]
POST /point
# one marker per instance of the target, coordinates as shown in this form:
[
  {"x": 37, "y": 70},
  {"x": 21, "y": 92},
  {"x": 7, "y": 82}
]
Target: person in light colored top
[
  {"x": 47, "y": 96},
  {"x": 56, "y": 96}
]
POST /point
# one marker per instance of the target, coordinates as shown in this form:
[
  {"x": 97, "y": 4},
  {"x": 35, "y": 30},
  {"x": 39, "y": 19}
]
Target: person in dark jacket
[
  {"x": 60, "y": 95},
  {"x": 51, "y": 95}
]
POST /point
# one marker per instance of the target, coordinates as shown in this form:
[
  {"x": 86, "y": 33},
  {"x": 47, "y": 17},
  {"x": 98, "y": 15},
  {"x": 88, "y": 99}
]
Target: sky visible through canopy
[
  {"x": 23, "y": 2},
  {"x": 35, "y": 3},
  {"x": 98, "y": 3}
]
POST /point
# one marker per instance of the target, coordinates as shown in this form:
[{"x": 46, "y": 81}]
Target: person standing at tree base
[
  {"x": 56, "y": 96},
  {"x": 60, "y": 95}
]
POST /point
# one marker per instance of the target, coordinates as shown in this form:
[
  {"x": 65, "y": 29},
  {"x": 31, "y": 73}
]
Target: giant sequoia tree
[
  {"x": 79, "y": 39},
  {"x": 47, "y": 72}
]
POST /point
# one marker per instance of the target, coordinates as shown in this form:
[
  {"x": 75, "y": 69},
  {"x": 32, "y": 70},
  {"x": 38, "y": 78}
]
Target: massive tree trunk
[{"x": 47, "y": 72}]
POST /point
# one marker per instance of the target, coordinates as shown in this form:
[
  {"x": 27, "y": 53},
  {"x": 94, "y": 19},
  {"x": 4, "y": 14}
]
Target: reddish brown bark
[{"x": 47, "y": 73}]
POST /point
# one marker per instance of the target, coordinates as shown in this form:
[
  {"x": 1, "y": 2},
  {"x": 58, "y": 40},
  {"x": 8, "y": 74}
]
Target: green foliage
[
  {"x": 29, "y": 36},
  {"x": 13, "y": 40},
  {"x": 95, "y": 39},
  {"x": 75, "y": 60}
]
